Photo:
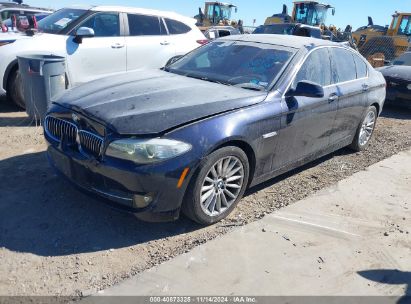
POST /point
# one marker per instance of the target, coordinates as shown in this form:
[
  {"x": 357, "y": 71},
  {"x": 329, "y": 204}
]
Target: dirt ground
[{"x": 55, "y": 240}]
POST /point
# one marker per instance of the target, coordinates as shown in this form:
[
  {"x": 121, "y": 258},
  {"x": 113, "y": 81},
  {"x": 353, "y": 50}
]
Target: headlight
[
  {"x": 146, "y": 151},
  {"x": 409, "y": 87}
]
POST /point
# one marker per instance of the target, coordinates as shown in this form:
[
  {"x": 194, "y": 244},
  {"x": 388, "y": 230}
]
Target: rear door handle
[
  {"x": 117, "y": 46},
  {"x": 165, "y": 43},
  {"x": 365, "y": 87},
  {"x": 333, "y": 97}
]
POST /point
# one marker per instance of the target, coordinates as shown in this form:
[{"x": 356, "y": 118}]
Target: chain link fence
[{"x": 382, "y": 49}]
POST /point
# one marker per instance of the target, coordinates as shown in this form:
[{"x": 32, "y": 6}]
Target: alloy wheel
[
  {"x": 222, "y": 186},
  {"x": 367, "y": 128}
]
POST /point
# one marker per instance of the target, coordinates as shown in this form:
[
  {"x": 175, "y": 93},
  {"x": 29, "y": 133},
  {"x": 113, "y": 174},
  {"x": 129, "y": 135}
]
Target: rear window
[
  {"x": 176, "y": 27},
  {"x": 361, "y": 67},
  {"x": 343, "y": 65},
  {"x": 280, "y": 29},
  {"x": 140, "y": 25}
]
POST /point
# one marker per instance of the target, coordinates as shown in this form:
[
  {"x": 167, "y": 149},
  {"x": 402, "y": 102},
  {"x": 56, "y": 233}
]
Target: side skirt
[{"x": 302, "y": 161}]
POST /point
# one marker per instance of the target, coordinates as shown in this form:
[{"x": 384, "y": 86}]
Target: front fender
[{"x": 244, "y": 127}]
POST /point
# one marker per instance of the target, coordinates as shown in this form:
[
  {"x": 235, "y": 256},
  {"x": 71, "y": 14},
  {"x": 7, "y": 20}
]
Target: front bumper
[{"x": 119, "y": 182}]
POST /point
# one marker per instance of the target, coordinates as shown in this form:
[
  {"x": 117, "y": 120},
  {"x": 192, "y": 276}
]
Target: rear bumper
[
  {"x": 400, "y": 98},
  {"x": 124, "y": 186}
]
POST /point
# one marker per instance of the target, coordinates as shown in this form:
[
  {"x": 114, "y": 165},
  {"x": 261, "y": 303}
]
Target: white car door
[
  {"x": 183, "y": 36},
  {"x": 98, "y": 56},
  {"x": 148, "y": 44}
]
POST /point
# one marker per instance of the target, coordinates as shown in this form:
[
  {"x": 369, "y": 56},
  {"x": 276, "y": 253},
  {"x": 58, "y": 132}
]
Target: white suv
[{"x": 100, "y": 41}]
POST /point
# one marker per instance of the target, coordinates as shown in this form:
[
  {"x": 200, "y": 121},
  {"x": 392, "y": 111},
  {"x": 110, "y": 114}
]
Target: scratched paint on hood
[{"x": 152, "y": 102}]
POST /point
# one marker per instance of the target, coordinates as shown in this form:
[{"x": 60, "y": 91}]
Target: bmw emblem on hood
[{"x": 75, "y": 118}]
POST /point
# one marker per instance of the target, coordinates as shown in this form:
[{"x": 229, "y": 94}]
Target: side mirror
[
  {"x": 83, "y": 32},
  {"x": 307, "y": 89}
]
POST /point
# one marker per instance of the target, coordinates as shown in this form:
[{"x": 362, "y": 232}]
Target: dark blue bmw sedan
[{"x": 229, "y": 115}]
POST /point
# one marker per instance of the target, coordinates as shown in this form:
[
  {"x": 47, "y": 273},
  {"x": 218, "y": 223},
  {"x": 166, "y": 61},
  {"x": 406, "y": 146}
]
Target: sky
[{"x": 353, "y": 12}]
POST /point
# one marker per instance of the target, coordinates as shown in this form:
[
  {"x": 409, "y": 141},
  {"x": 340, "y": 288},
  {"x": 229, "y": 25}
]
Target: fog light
[{"x": 142, "y": 201}]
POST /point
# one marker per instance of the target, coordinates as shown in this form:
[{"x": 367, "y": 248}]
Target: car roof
[
  {"x": 222, "y": 27},
  {"x": 13, "y": 5},
  {"x": 143, "y": 11},
  {"x": 297, "y": 42}
]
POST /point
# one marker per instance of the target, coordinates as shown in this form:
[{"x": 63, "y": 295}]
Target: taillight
[
  {"x": 33, "y": 22},
  {"x": 203, "y": 41}
]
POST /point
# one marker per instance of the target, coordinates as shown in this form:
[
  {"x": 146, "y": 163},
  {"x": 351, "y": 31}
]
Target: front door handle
[
  {"x": 117, "y": 46},
  {"x": 332, "y": 98},
  {"x": 365, "y": 87},
  {"x": 165, "y": 43}
]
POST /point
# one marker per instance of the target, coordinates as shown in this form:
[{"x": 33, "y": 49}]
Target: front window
[
  {"x": 219, "y": 13},
  {"x": 60, "y": 20},
  {"x": 243, "y": 64},
  {"x": 405, "y": 26},
  {"x": 104, "y": 24},
  {"x": 317, "y": 69},
  {"x": 311, "y": 14}
]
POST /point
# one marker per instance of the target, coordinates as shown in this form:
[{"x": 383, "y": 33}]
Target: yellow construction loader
[
  {"x": 381, "y": 44},
  {"x": 217, "y": 14},
  {"x": 311, "y": 13}
]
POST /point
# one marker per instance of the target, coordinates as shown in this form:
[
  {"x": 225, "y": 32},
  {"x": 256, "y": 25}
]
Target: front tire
[
  {"x": 365, "y": 130},
  {"x": 218, "y": 187},
  {"x": 15, "y": 89}
]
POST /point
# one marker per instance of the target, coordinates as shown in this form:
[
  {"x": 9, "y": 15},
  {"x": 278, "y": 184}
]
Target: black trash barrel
[{"x": 43, "y": 80}]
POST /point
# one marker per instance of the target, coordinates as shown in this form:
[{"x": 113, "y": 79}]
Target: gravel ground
[{"x": 57, "y": 241}]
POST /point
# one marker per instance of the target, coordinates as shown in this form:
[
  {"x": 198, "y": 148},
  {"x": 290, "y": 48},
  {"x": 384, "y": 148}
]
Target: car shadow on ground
[
  {"x": 43, "y": 214},
  {"x": 273, "y": 181},
  {"x": 18, "y": 122},
  {"x": 391, "y": 277},
  {"x": 6, "y": 106}
]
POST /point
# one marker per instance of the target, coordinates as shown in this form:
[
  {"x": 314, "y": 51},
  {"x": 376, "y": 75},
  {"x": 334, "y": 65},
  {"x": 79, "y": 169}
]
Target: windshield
[
  {"x": 60, "y": 20},
  {"x": 219, "y": 13},
  {"x": 280, "y": 29},
  {"x": 405, "y": 26},
  {"x": 311, "y": 14},
  {"x": 245, "y": 64}
]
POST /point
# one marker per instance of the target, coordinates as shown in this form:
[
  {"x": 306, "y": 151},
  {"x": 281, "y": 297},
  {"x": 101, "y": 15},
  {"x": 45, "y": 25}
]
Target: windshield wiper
[
  {"x": 250, "y": 86},
  {"x": 205, "y": 78}
]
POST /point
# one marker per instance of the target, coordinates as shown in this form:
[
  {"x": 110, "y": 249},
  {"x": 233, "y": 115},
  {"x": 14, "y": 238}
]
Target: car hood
[
  {"x": 12, "y": 36},
  {"x": 155, "y": 101},
  {"x": 400, "y": 72}
]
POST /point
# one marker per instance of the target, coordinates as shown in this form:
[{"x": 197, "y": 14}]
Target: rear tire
[
  {"x": 218, "y": 186},
  {"x": 365, "y": 130},
  {"x": 15, "y": 89}
]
